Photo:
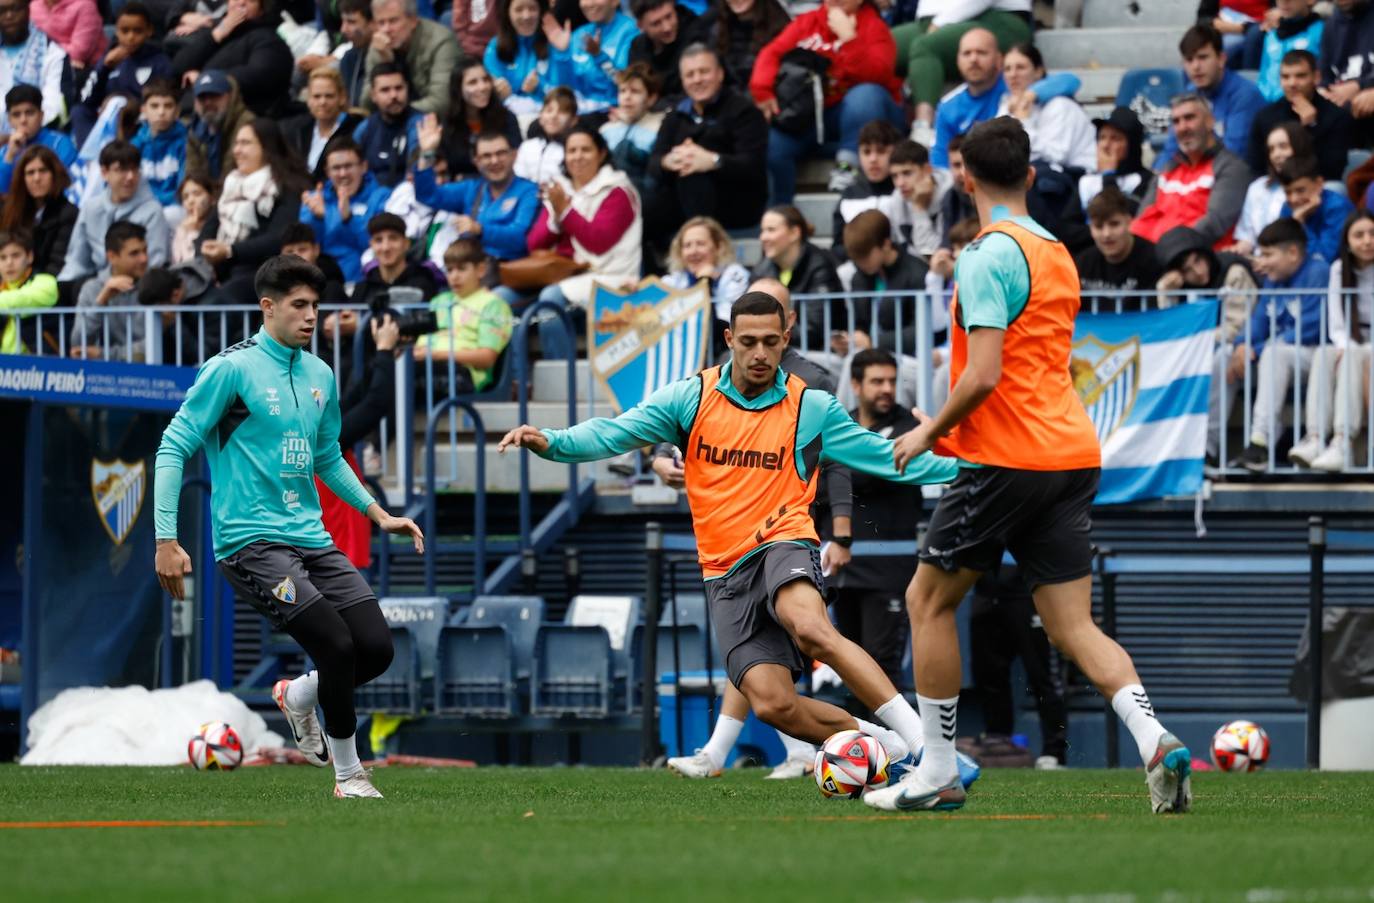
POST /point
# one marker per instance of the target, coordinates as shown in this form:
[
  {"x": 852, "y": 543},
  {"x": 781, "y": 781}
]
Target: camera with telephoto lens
[{"x": 411, "y": 323}]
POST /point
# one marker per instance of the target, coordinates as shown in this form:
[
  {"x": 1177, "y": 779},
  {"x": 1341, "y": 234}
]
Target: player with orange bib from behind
[{"x": 1029, "y": 468}]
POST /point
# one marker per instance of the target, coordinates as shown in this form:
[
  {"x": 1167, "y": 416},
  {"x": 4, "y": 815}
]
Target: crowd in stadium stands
[{"x": 157, "y": 151}]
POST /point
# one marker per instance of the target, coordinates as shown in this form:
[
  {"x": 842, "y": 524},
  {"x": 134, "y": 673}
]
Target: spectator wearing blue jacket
[
  {"x": 389, "y": 137},
  {"x": 978, "y": 98},
  {"x": 24, "y": 106},
  {"x": 161, "y": 139},
  {"x": 1234, "y": 98},
  {"x": 339, "y": 210},
  {"x": 499, "y": 208},
  {"x": 519, "y": 57},
  {"x": 1285, "y": 333},
  {"x": 126, "y": 68},
  {"x": 1299, "y": 29},
  {"x": 587, "y": 59},
  {"x": 1321, "y": 211}
]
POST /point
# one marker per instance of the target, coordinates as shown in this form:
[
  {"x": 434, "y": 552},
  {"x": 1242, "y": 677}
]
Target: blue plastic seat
[
  {"x": 475, "y": 673},
  {"x": 423, "y": 616},
  {"x": 1147, "y": 93},
  {"x": 691, "y": 609},
  {"x": 520, "y": 615},
  {"x": 572, "y": 672},
  {"x": 397, "y": 690}
]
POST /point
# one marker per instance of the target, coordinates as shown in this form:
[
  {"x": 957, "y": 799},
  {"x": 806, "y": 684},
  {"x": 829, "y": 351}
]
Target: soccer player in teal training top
[{"x": 266, "y": 412}]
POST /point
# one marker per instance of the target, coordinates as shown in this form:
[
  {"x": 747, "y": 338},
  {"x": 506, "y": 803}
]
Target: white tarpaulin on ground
[{"x": 136, "y": 726}]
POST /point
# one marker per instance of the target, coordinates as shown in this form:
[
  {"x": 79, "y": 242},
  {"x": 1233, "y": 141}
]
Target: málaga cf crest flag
[
  {"x": 643, "y": 340},
  {"x": 1144, "y": 378}
]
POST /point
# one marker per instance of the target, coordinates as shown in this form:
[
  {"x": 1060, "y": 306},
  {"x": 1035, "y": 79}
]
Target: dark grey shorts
[
  {"x": 742, "y": 613},
  {"x": 281, "y": 580}
]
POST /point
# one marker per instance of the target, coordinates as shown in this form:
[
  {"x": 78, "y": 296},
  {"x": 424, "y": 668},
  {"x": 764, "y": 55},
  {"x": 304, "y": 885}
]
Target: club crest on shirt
[
  {"x": 1107, "y": 380},
  {"x": 318, "y": 396},
  {"x": 285, "y": 591},
  {"x": 117, "y": 487}
]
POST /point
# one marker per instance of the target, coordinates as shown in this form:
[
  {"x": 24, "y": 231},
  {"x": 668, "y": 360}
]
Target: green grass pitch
[{"x": 610, "y": 834}]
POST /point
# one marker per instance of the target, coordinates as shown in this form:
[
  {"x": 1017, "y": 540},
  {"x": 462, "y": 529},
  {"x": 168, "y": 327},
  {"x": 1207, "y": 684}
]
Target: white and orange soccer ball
[
  {"x": 215, "y": 748},
  {"x": 848, "y": 762},
  {"x": 1240, "y": 746}
]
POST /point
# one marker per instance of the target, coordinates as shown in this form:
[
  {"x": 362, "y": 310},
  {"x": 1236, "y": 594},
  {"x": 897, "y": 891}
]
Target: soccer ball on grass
[
  {"x": 215, "y": 748},
  {"x": 1240, "y": 746},
  {"x": 848, "y": 762}
]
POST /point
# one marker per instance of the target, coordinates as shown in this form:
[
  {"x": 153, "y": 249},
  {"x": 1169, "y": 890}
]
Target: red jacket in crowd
[{"x": 870, "y": 57}]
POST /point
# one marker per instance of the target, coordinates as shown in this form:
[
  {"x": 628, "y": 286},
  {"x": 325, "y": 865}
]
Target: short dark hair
[
  {"x": 641, "y": 70},
  {"x": 120, "y": 232},
  {"x": 134, "y": 8},
  {"x": 1299, "y": 167},
  {"x": 280, "y": 274},
  {"x": 384, "y": 69},
  {"x": 463, "y": 250},
  {"x": 1298, "y": 55},
  {"x": 157, "y": 286},
  {"x": 1281, "y": 232},
  {"x": 879, "y": 132},
  {"x": 386, "y": 222},
  {"x": 955, "y": 145},
  {"x": 343, "y": 143},
  {"x": 757, "y": 304},
  {"x": 1109, "y": 202},
  {"x": 298, "y": 234},
  {"x": 160, "y": 87},
  {"x": 356, "y": 6},
  {"x": 491, "y": 135},
  {"x": 866, "y": 232},
  {"x": 21, "y": 237},
  {"x": 1198, "y": 37},
  {"x": 121, "y": 154},
  {"x": 997, "y": 152},
  {"x": 23, "y": 94},
  {"x": 870, "y": 357},
  {"x": 908, "y": 151},
  {"x": 639, "y": 7}
]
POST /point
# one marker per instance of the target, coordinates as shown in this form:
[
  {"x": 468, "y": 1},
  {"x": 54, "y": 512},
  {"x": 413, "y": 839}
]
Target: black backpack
[{"x": 800, "y": 90}]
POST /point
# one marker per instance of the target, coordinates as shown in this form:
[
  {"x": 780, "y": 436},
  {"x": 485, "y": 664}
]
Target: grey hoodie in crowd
[{"x": 86, "y": 252}]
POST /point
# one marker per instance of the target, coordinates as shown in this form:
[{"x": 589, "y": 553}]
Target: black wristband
[{"x": 843, "y": 542}]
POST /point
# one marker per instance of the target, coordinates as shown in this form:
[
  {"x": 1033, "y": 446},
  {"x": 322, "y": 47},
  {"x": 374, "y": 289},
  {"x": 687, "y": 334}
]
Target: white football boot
[
  {"x": 304, "y": 727},
  {"x": 359, "y": 786},
  {"x": 791, "y": 768},
  {"x": 911, "y": 794},
  {"x": 697, "y": 765},
  {"x": 1169, "y": 776}
]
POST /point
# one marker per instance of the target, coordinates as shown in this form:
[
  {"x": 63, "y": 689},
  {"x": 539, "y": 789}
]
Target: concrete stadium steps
[
  {"x": 1139, "y": 47},
  {"x": 1178, "y": 14},
  {"x": 503, "y": 471},
  {"x": 1100, "y": 85},
  {"x": 819, "y": 209},
  {"x": 551, "y": 382}
]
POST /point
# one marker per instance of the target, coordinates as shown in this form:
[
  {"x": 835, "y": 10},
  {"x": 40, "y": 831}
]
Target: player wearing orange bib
[
  {"x": 752, "y": 438},
  {"x": 1029, "y": 468}
]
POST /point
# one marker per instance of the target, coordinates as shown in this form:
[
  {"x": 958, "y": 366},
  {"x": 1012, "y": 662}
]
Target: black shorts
[
  {"x": 1043, "y": 517},
  {"x": 281, "y": 580},
  {"x": 742, "y": 612}
]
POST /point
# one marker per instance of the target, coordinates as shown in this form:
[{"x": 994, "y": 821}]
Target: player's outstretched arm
[
  {"x": 525, "y": 436},
  {"x": 662, "y": 417},
  {"x": 845, "y": 442}
]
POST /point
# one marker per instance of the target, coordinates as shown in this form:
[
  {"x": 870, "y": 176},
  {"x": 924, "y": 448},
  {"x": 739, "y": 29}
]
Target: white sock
[
  {"x": 939, "y": 728},
  {"x": 1132, "y": 706},
  {"x": 891, "y": 740},
  {"x": 797, "y": 749},
  {"x": 898, "y": 714},
  {"x": 303, "y": 693},
  {"x": 723, "y": 738},
  {"x": 344, "y": 752}
]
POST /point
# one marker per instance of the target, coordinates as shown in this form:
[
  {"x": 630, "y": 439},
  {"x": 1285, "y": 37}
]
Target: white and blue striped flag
[{"x": 1144, "y": 378}]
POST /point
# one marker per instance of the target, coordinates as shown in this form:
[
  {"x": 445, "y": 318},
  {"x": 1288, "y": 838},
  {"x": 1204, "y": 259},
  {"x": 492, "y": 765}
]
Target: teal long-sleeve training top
[{"x": 268, "y": 418}]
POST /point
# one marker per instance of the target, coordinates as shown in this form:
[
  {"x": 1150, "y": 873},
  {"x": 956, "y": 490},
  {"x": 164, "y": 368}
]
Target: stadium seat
[
  {"x": 1147, "y": 92},
  {"x": 620, "y": 615},
  {"x": 397, "y": 691},
  {"x": 424, "y": 616},
  {"x": 691, "y": 609},
  {"x": 572, "y": 672},
  {"x": 520, "y": 615},
  {"x": 475, "y": 673}
]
